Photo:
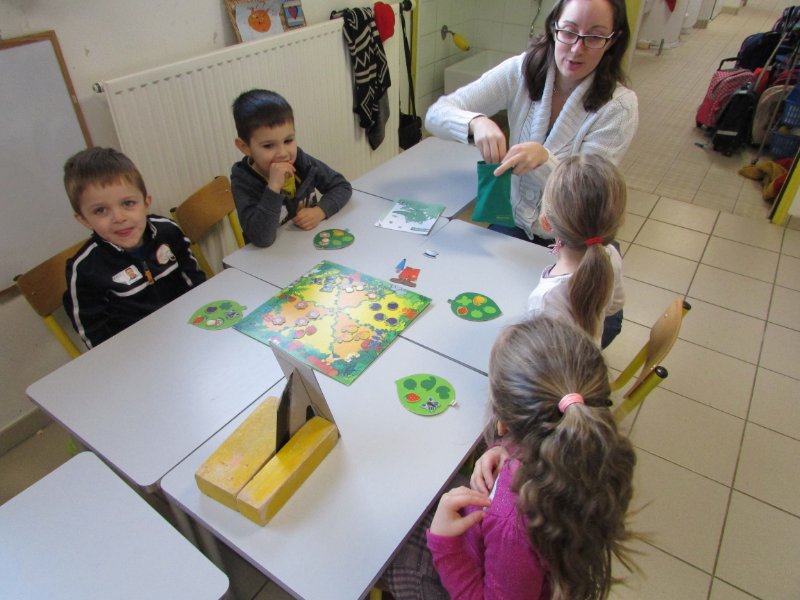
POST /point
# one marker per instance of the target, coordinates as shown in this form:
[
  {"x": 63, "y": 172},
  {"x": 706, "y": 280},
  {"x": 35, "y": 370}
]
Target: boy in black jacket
[
  {"x": 134, "y": 263},
  {"x": 276, "y": 181}
]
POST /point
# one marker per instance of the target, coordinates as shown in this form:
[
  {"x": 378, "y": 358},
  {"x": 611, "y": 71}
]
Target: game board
[{"x": 335, "y": 319}]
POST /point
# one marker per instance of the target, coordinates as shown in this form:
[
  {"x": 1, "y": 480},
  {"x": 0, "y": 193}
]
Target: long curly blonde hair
[{"x": 574, "y": 483}]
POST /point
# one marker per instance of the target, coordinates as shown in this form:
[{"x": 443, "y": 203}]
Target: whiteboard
[{"x": 40, "y": 128}]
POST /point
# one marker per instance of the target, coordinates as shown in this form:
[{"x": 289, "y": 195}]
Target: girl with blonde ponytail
[{"x": 583, "y": 207}]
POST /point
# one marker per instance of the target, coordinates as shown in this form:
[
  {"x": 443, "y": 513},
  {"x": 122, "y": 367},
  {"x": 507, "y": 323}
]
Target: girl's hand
[
  {"x": 523, "y": 158},
  {"x": 489, "y": 139},
  {"x": 448, "y": 520},
  {"x": 308, "y": 218},
  {"x": 279, "y": 172},
  {"x": 486, "y": 469}
]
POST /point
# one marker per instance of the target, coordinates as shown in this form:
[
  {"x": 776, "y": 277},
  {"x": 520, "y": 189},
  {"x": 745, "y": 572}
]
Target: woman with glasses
[{"x": 564, "y": 95}]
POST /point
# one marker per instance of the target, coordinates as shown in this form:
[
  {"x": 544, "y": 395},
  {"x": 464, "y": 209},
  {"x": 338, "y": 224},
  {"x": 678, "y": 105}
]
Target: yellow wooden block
[
  {"x": 223, "y": 475},
  {"x": 274, "y": 484}
]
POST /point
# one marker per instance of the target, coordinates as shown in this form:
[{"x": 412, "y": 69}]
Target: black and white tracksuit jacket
[{"x": 109, "y": 288}]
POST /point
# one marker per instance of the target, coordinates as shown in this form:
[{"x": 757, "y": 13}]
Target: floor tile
[
  {"x": 768, "y": 468},
  {"x": 644, "y": 303},
  {"x": 788, "y": 272},
  {"x": 39, "y": 454},
  {"x": 776, "y": 403},
  {"x": 741, "y": 258},
  {"x": 747, "y": 231},
  {"x": 659, "y": 269},
  {"x": 272, "y": 591},
  {"x": 672, "y": 239},
  {"x": 685, "y": 215},
  {"x": 723, "y": 330},
  {"x": 662, "y": 577},
  {"x": 683, "y": 512},
  {"x": 709, "y": 377},
  {"x": 640, "y": 203},
  {"x": 755, "y": 212},
  {"x": 785, "y": 307},
  {"x": 759, "y": 551},
  {"x": 693, "y": 435},
  {"x": 781, "y": 349},
  {"x": 729, "y": 290},
  {"x": 245, "y": 579},
  {"x": 630, "y": 227},
  {"x": 626, "y": 345},
  {"x": 714, "y": 201},
  {"x": 791, "y": 243},
  {"x": 724, "y": 591},
  {"x": 675, "y": 192}
]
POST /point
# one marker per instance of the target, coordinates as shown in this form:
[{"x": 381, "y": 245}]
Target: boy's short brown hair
[{"x": 98, "y": 166}]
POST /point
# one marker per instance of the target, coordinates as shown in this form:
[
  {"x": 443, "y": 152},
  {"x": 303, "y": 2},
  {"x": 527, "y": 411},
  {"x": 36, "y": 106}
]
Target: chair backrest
[
  {"x": 648, "y": 361},
  {"x": 202, "y": 210},
  {"x": 44, "y": 286}
]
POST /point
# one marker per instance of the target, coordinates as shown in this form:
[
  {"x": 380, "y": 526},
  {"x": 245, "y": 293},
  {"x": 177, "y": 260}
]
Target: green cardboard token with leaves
[
  {"x": 474, "y": 307},
  {"x": 425, "y": 394},
  {"x": 333, "y": 239},
  {"x": 219, "y": 314}
]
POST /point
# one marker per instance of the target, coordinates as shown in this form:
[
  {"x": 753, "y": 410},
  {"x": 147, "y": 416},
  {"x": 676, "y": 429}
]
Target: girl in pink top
[{"x": 546, "y": 509}]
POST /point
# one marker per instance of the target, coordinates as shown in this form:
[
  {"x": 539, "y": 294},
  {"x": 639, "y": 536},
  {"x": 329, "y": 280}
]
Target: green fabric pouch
[{"x": 493, "y": 204}]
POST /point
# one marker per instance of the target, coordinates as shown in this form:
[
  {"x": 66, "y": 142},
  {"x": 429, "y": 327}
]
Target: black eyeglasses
[{"x": 594, "y": 42}]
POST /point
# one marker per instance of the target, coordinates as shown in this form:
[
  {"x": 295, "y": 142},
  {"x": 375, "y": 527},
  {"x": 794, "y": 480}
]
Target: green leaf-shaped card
[
  {"x": 475, "y": 307},
  {"x": 219, "y": 314},
  {"x": 333, "y": 239},
  {"x": 425, "y": 394}
]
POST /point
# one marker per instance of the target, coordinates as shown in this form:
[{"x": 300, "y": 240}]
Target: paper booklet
[{"x": 411, "y": 216}]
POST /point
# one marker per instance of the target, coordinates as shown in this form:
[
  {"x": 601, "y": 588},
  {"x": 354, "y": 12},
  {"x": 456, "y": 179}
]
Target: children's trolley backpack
[
  {"x": 723, "y": 84},
  {"x": 732, "y": 129}
]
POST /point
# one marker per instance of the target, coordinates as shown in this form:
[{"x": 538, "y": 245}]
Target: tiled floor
[{"x": 718, "y": 486}]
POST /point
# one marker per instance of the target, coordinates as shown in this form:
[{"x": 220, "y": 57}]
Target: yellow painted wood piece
[
  {"x": 273, "y": 485},
  {"x": 228, "y": 470}
]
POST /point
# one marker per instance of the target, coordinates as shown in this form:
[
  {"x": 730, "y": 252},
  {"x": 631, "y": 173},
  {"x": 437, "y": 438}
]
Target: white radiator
[{"x": 175, "y": 121}]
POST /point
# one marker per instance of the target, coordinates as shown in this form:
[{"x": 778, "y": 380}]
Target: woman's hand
[
  {"x": 486, "y": 469},
  {"x": 309, "y": 218},
  {"x": 448, "y": 520},
  {"x": 489, "y": 139},
  {"x": 523, "y": 158}
]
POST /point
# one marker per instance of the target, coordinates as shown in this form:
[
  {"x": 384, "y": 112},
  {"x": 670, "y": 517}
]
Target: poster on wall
[{"x": 255, "y": 19}]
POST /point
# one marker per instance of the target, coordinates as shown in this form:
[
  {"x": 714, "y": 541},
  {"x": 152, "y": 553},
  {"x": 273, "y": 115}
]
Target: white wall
[
  {"x": 105, "y": 39},
  {"x": 502, "y": 25}
]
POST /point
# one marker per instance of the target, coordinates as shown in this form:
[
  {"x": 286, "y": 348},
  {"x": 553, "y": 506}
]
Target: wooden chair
[
  {"x": 43, "y": 287},
  {"x": 202, "y": 210},
  {"x": 648, "y": 361}
]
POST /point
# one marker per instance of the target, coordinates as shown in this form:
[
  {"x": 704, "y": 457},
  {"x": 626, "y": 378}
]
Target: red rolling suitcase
[{"x": 723, "y": 84}]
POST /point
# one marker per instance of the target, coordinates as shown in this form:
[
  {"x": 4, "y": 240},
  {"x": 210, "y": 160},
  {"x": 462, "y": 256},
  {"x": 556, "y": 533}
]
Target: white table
[
  {"x": 375, "y": 251},
  {"x": 473, "y": 259},
  {"x": 434, "y": 171},
  {"x": 81, "y": 532},
  {"x": 146, "y": 398},
  {"x": 336, "y": 534}
]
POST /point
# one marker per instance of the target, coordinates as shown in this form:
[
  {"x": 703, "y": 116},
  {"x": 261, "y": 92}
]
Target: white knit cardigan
[{"x": 607, "y": 132}]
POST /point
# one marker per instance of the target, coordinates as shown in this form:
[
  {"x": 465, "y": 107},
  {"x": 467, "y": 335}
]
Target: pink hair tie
[
  {"x": 593, "y": 241},
  {"x": 568, "y": 401}
]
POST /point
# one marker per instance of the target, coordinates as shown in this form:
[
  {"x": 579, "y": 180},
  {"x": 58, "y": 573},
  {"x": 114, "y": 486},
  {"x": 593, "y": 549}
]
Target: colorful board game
[{"x": 335, "y": 319}]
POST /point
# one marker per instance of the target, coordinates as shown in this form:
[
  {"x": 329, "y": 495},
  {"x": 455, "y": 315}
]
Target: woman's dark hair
[{"x": 541, "y": 54}]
